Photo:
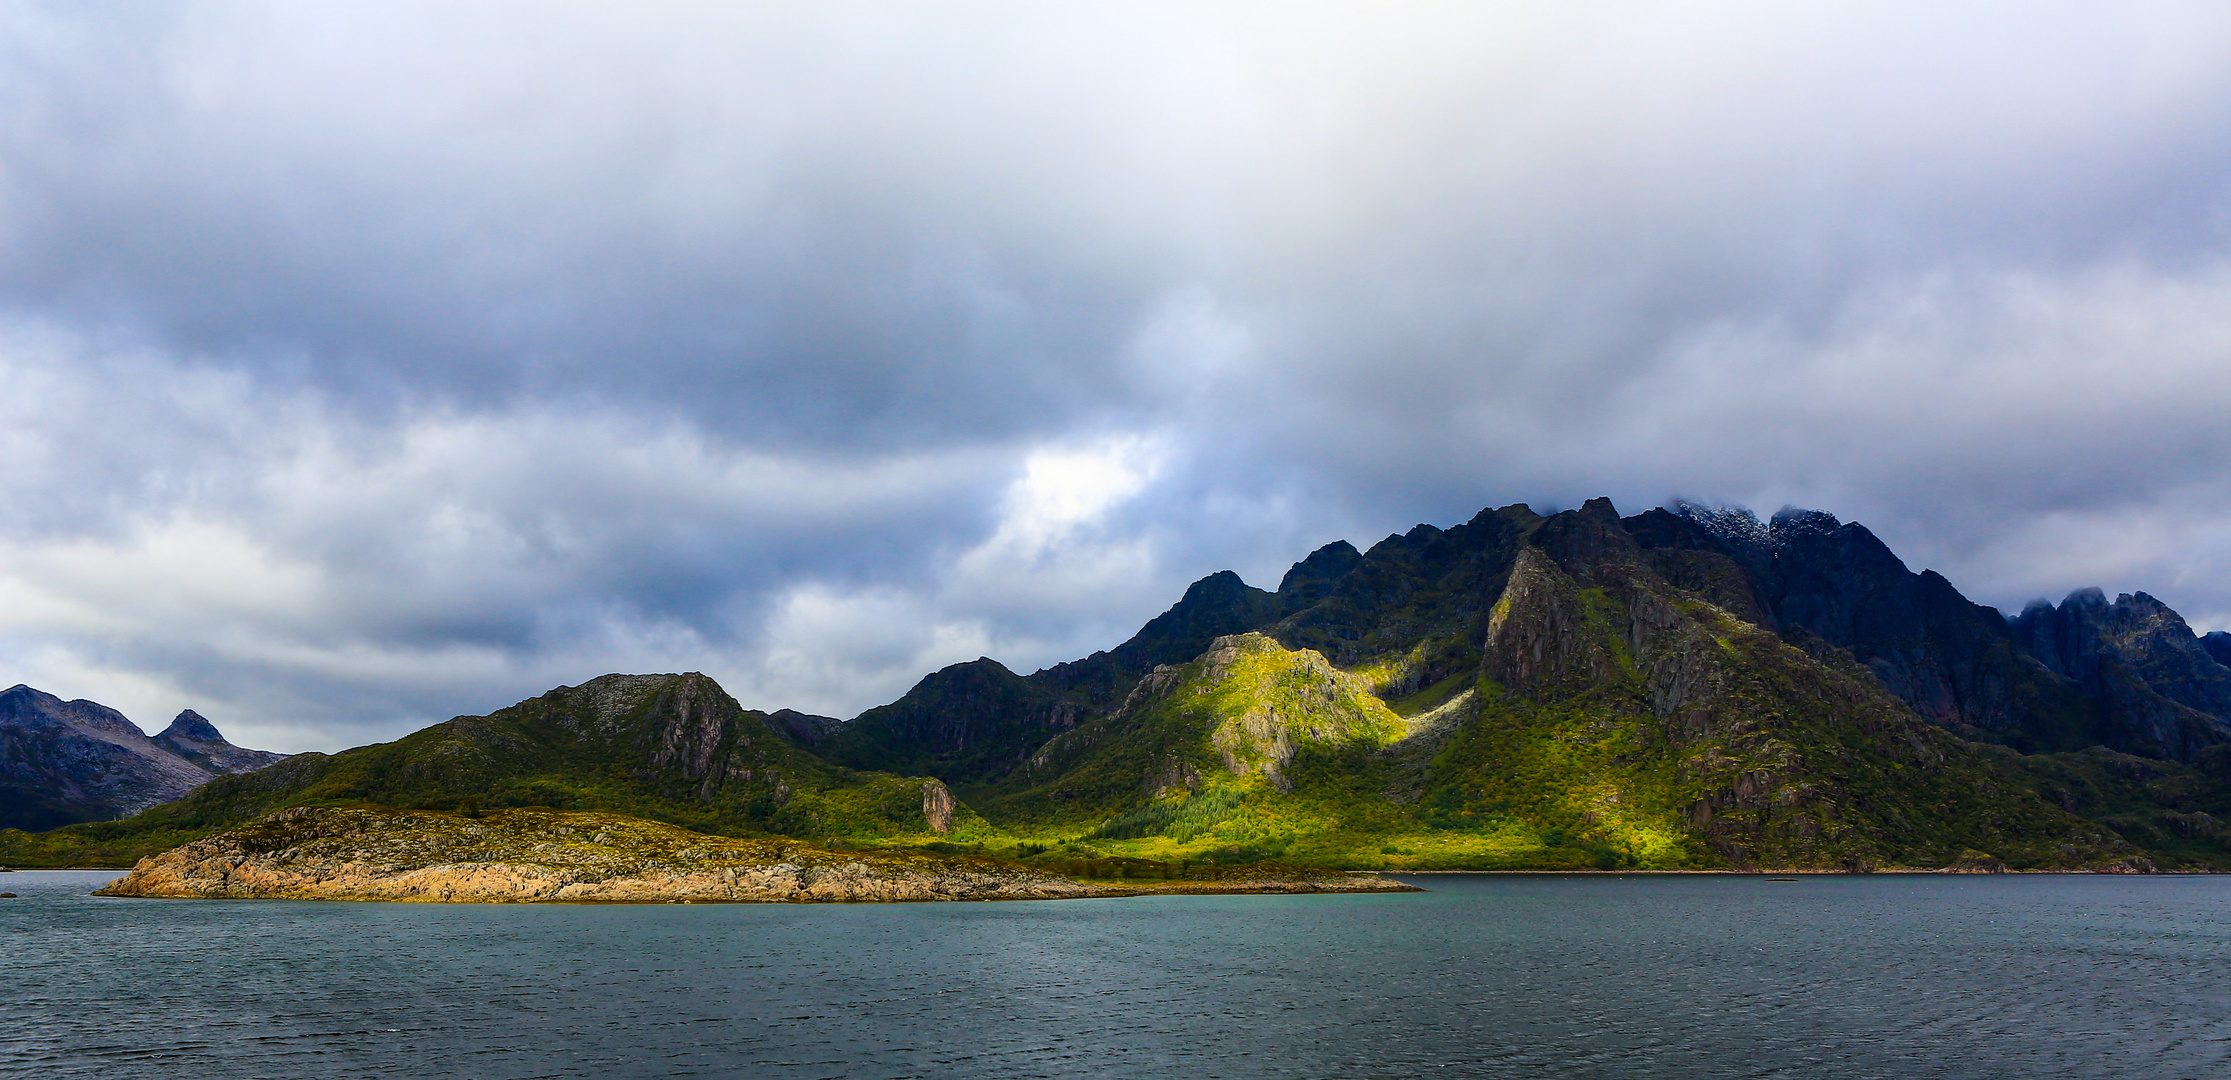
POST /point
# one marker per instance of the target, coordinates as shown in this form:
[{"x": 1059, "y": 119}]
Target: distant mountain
[
  {"x": 2160, "y": 691},
  {"x": 1686, "y": 687},
  {"x": 1826, "y": 585},
  {"x": 70, "y": 761},
  {"x": 2218, "y": 645},
  {"x": 197, "y": 740},
  {"x": 2130, "y": 676}
]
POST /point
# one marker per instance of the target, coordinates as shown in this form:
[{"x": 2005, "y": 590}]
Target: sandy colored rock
[
  {"x": 937, "y": 806},
  {"x": 373, "y": 853}
]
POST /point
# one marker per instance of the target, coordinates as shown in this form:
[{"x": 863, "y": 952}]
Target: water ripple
[{"x": 1595, "y": 977}]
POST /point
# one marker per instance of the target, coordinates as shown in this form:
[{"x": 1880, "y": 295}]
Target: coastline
[
  {"x": 538, "y": 856},
  {"x": 1889, "y": 872}
]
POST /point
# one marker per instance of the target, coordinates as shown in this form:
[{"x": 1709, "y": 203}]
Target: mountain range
[
  {"x": 1688, "y": 687},
  {"x": 69, "y": 761}
]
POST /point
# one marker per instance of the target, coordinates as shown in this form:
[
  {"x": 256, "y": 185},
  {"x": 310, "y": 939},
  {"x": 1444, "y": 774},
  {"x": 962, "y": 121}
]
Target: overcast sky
[{"x": 364, "y": 365}]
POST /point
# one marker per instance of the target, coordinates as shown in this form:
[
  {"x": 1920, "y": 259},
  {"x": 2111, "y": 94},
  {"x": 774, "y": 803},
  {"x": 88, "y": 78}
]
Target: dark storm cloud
[
  {"x": 365, "y": 364},
  {"x": 377, "y": 202}
]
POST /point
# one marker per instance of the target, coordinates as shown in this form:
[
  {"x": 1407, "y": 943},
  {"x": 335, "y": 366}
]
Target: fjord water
[{"x": 1483, "y": 976}]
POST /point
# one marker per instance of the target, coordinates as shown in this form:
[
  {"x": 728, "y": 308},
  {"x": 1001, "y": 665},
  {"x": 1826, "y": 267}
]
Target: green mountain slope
[
  {"x": 977, "y": 723},
  {"x": 671, "y": 748},
  {"x": 1596, "y": 715},
  {"x": 1518, "y": 691}
]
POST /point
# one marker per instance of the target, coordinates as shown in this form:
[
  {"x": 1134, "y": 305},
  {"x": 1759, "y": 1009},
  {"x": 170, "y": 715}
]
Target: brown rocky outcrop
[
  {"x": 516, "y": 856},
  {"x": 937, "y": 806}
]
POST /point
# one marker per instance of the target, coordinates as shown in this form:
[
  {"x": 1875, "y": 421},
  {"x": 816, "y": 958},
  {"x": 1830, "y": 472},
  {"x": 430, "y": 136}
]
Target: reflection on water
[{"x": 1494, "y": 976}]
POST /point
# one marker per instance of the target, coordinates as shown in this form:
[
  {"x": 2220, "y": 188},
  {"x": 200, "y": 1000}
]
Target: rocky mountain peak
[
  {"x": 2162, "y": 689},
  {"x": 25, "y": 705},
  {"x": 1735, "y": 527},
  {"x": 1792, "y": 524},
  {"x": 1312, "y": 578},
  {"x": 190, "y": 726},
  {"x": 1590, "y": 544},
  {"x": 194, "y": 738},
  {"x": 2218, "y": 645},
  {"x": 68, "y": 761},
  {"x": 807, "y": 728},
  {"x": 1216, "y": 605},
  {"x": 2090, "y": 600}
]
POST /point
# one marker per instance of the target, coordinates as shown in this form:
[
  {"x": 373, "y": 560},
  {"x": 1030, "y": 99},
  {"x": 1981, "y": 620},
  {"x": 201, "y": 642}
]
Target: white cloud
[
  {"x": 364, "y": 364},
  {"x": 1049, "y": 583}
]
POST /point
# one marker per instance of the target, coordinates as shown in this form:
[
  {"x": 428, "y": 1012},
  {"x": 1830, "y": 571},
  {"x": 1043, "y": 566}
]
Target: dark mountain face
[
  {"x": 2218, "y": 645},
  {"x": 69, "y": 761},
  {"x": 965, "y": 723},
  {"x": 1822, "y": 583},
  {"x": 805, "y": 729},
  {"x": 2164, "y": 694}
]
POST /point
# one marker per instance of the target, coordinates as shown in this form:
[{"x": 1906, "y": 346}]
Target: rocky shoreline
[{"x": 542, "y": 856}]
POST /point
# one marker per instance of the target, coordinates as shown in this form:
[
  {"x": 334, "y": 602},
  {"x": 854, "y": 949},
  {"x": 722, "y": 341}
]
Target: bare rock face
[
  {"x": 1269, "y": 702},
  {"x": 63, "y": 762},
  {"x": 938, "y": 807},
  {"x": 515, "y": 856},
  {"x": 2135, "y": 864}
]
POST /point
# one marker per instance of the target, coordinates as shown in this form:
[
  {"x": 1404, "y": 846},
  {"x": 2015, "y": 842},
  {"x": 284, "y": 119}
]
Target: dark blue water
[{"x": 1482, "y": 977}]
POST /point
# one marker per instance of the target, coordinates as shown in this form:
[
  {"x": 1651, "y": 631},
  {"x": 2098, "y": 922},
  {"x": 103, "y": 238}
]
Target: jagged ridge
[
  {"x": 1683, "y": 688},
  {"x": 70, "y": 761}
]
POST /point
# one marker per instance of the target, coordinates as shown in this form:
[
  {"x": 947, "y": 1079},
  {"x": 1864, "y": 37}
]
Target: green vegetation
[
  {"x": 1515, "y": 693},
  {"x": 1613, "y": 721},
  {"x": 673, "y": 749},
  {"x": 1179, "y": 819},
  {"x": 2180, "y": 814}
]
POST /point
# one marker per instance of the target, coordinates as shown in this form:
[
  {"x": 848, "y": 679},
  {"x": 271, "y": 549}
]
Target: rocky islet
[{"x": 530, "y": 856}]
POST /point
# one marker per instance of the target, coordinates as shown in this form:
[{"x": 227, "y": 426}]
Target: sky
[{"x": 362, "y": 365}]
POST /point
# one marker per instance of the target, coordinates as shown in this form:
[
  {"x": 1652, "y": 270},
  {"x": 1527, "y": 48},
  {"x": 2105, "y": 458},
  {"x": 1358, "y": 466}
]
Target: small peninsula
[{"x": 534, "y": 855}]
